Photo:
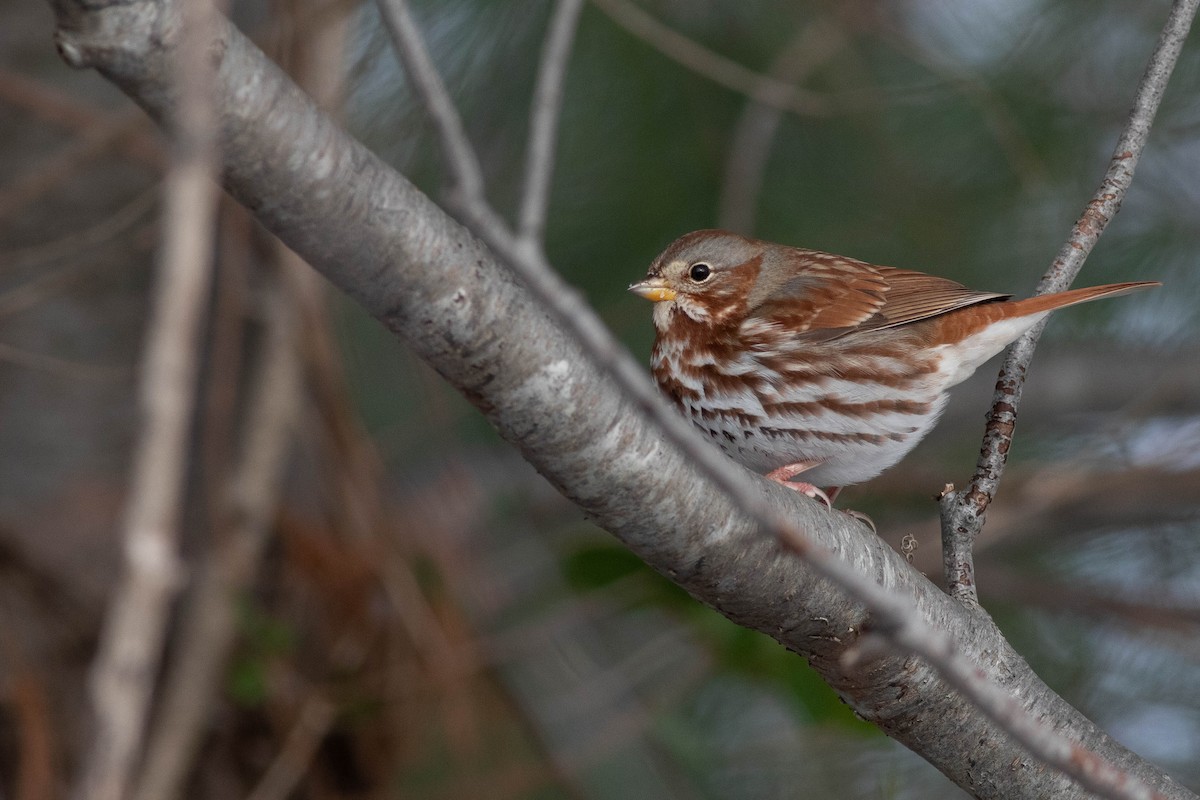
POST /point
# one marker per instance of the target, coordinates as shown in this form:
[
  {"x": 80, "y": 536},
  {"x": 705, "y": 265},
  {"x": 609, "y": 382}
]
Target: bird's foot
[
  {"x": 861, "y": 517},
  {"x": 785, "y": 474},
  {"x": 808, "y": 490}
]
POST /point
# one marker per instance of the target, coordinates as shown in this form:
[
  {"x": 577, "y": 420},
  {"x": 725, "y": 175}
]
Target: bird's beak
[{"x": 654, "y": 290}]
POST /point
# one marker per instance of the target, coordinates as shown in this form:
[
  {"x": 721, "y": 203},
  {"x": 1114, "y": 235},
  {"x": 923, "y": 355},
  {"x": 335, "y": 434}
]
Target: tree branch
[
  {"x": 135, "y": 628},
  {"x": 461, "y": 159},
  {"x": 963, "y": 512},
  {"x": 209, "y": 622},
  {"x": 763, "y": 89},
  {"x": 892, "y": 617},
  {"x": 547, "y": 103},
  {"x": 435, "y": 286},
  {"x": 758, "y": 123}
]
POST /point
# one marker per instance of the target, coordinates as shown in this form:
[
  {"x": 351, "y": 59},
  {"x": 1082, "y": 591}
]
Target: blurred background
[{"x": 383, "y": 600}]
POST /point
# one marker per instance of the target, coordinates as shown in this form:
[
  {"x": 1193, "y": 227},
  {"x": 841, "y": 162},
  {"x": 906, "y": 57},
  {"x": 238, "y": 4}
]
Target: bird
[{"x": 804, "y": 364}]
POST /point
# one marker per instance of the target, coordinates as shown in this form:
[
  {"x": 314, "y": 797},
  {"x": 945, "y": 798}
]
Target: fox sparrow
[{"x": 802, "y": 362}]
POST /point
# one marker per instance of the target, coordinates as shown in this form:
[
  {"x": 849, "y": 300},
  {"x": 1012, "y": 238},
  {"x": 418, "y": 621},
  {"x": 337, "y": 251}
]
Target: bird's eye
[{"x": 700, "y": 272}]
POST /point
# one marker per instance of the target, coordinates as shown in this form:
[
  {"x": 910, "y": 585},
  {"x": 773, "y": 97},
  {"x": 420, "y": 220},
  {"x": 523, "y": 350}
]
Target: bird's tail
[{"x": 1049, "y": 302}]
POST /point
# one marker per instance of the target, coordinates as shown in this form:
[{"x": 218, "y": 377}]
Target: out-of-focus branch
[
  {"x": 431, "y": 283},
  {"x": 210, "y": 625},
  {"x": 250, "y": 495},
  {"x": 892, "y": 617},
  {"x": 52, "y": 105},
  {"x": 460, "y": 155},
  {"x": 123, "y": 676},
  {"x": 963, "y": 512},
  {"x": 47, "y": 282},
  {"x": 43, "y": 176},
  {"x": 316, "y": 717},
  {"x": 543, "y": 122},
  {"x": 763, "y": 89},
  {"x": 759, "y": 122}
]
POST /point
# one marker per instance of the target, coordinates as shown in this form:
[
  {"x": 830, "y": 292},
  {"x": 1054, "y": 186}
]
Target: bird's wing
[
  {"x": 831, "y": 296},
  {"x": 913, "y": 296}
]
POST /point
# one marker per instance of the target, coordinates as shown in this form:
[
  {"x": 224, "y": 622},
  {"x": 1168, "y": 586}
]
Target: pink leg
[{"x": 785, "y": 474}]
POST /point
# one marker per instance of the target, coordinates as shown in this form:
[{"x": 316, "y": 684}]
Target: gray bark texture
[{"x": 388, "y": 246}]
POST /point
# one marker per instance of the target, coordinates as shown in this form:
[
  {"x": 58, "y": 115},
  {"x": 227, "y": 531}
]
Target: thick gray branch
[{"x": 384, "y": 243}]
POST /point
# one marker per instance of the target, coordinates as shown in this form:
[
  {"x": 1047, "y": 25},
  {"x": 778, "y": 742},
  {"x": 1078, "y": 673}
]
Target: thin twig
[
  {"x": 893, "y": 617},
  {"x": 77, "y": 241},
  {"x": 714, "y": 66},
  {"x": 317, "y": 716},
  {"x": 410, "y": 49},
  {"x": 1013, "y": 142},
  {"x": 544, "y": 117},
  {"x": 209, "y": 627},
  {"x": 66, "y": 368},
  {"x": 53, "y": 172},
  {"x": 251, "y": 496},
  {"x": 37, "y": 289},
  {"x": 132, "y": 640},
  {"x": 52, "y": 105},
  {"x": 967, "y": 517},
  {"x": 750, "y": 147}
]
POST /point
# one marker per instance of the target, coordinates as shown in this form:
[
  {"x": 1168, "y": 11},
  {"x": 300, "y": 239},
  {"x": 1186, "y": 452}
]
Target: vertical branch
[
  {"x": 966, "y": 509},
  {"x": 544, "y": 116},
  {"x": 410, "y": 49},
  {"x": 131, "y": 642},
  {"x": 209, "y": 626},
  {"x": 894, "y": 619},
  {"x": 759, "y": 122},
  {"x": 251, "y": 490}
]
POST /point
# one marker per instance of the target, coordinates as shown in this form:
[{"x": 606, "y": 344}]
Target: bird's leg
[{"x": 785, "y": 474}]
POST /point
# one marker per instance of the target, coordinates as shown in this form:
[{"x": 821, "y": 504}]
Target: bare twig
[
  {"x": 963, "y": 512},
  {"x": 35, "y": 290},
  {"x": 47, "y": 174},
  {"x": 756, "y": 127},
  {"x": 209, "y": 627},
  {"x": 544, "y": 116},
  {"x": 34, "y": 256},
  {"x": 900, "y": 625},
  {"x": 131, "y": 643},
  {"x": 461, "y": 160},
  {"x": 455, "y": 318},
  {"x": 66, "y": 368},
  {"x": 317, "y": 715},
  {"x": 469, "y": 192},
  {"x": 728, "y": 73},
  {"x": 52, "y": 105},
  {"x": 251, "y": 493}
]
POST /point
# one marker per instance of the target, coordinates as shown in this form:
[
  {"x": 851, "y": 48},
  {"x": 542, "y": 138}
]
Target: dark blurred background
[{"x": 420, "y": 615}]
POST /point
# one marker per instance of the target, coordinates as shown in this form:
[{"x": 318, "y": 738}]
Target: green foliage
[
  {"x": 736, "y": 649},
  {"x": 963, "y": 140},
  {"x": 263, "y": 640}
]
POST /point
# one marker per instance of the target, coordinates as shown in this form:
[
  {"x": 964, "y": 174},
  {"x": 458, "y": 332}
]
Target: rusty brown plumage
[{"x": 802, "y": 362}]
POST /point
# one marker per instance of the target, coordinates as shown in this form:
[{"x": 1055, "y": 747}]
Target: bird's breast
[{"x": 772, "y": 403}]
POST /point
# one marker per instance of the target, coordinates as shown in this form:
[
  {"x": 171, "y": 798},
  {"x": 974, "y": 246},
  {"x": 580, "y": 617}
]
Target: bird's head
[{"x": 708, "y": 276}]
